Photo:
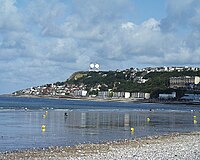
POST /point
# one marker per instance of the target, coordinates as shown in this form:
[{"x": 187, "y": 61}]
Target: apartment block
[{"x": 182, "y": 82}]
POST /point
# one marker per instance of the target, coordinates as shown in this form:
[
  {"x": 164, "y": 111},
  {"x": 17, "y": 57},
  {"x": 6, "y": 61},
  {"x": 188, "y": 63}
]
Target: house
[
  {"x": 127, "y": 95},
  {"x": 167, "y": 96},
  {"x": 140, "y": 95},
  {"x": 80, "y": 93}
]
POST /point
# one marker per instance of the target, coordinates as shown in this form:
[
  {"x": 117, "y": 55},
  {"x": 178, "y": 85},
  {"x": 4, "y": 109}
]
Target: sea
[{"x": 34, "y": 123}]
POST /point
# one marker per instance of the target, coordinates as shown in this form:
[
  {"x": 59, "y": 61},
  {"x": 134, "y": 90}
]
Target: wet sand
[
  {"x": 125, "y": 100},
  {"x": 174, "y": 146}
]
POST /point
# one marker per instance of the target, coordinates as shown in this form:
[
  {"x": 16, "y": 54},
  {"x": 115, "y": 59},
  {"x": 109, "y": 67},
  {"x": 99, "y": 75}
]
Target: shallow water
[{"x": 21, "y": 120}]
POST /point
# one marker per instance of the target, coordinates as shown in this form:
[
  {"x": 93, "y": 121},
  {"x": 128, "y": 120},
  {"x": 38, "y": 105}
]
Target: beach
[
  {"x": 124, "y": 100},
  {"x": 174, "y": 146}
]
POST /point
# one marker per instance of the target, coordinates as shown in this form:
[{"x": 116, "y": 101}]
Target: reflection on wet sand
[
  {"x": 103, "y": 119},
  {"x": 22, "y": 128}
]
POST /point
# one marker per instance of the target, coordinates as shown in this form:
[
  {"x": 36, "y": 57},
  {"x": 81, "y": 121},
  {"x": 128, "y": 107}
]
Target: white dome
[
  {"x": 92, "y": 65},
  {"x": 97, "y": 66}
]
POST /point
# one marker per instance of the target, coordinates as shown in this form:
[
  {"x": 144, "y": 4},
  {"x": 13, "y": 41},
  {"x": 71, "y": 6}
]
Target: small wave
[
  {"x": 62, "y": 110},
  {"x": 7, "y": 109}
]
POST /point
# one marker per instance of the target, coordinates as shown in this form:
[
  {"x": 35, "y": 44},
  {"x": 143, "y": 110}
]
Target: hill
[
  {"x": 130, "y": 81},
  {"x": 147, "y": 80}
]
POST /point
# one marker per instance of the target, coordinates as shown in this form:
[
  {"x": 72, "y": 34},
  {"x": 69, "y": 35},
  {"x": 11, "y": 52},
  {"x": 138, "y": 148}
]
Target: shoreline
[
  {"x": 172, "y": 146},
  {"x": 123, "y": 100},
  {"x": 129, "y": 100}
]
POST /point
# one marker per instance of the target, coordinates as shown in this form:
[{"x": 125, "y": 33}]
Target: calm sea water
[{"x": 21, "y": 121}]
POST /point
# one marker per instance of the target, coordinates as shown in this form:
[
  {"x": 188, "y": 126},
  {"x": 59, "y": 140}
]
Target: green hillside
[{"x": 127, "y": 80}]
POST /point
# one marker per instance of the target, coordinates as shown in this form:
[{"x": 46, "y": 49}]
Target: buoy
[
  {"x": 43, "y": 130},
  {"x": 43, "y": 127},
  {"x": 195, "y": 121},
  {"x": 194, "y": 117},
  {"x": 148, "y": 119},
  {"x": 46, "y": 112},
  {"x": 44, "y": 116},
  {"x": 132, "y": 129}
]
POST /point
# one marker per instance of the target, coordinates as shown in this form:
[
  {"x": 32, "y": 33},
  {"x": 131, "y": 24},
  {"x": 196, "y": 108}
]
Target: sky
[{"x": 45, "y": 41}]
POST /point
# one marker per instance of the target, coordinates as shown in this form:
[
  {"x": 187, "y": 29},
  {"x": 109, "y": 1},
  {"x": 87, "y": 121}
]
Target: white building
[
  {"x": 176, "y": 82},
  {"x": 140, "y": 95},
  {"x": 80, "y": 93},
  {"x": 191, "y": 97},
  {"x": 127, "y": 95},
  {"x": 118, "y": 94},
  {"x": 103, "y": 94},
  {"x": 167, "y": 96}
]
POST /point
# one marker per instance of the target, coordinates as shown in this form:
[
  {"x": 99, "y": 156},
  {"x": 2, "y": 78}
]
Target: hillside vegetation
[{"x": 127, "y": 80}]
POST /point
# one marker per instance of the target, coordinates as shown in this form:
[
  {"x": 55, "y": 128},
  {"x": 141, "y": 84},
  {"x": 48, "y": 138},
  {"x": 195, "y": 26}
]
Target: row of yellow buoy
[
  {"x": 195, "y": 119},
  {"x": 133, "y": 129},
  {"x": 43, "y": 126},
  {"x": 148, "y": 120}
]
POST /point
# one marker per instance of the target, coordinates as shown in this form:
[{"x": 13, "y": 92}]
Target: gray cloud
[
  {"x": 179, "y": 14},
  {"x": 10, "y": 17},
  {"x": 46, "y": 41}
]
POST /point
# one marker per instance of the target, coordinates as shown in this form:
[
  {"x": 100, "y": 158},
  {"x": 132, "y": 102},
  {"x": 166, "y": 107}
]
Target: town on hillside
[{"x": 158, "y": 83}]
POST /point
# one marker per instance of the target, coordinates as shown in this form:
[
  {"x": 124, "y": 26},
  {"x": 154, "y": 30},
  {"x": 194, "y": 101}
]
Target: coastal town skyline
[
  {"x": 46, "y": 41},
  {"x": 115, "y": 84}
]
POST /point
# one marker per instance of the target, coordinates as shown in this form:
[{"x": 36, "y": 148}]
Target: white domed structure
[
  {"x": 97, "y": 66},
  {"x": 92, "y": 65}
]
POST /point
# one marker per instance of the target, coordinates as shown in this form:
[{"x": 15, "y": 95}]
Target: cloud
[
  {"x": 45, "y": 41},
  {"x": 97, "y": 11},
  {"x": 181, "y": 14},
  {"x": 10, "y": 18}
]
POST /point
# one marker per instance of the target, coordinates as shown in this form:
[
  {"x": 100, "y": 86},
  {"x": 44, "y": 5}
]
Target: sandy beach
[
  {"x": 124, "y": 100},
  {"x": 174, "y": 146}
]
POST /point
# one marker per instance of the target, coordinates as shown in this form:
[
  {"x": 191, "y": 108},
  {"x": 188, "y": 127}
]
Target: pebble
[{"x": 175, "y": 146}]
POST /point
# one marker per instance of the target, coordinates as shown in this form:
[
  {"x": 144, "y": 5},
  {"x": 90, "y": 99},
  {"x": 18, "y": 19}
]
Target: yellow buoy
[
  {"x": 194, "y": 117},
  {"x": 46, "y": 112},
  {"x": 43, "y": 127},
  {"x": 195, "y": 121},
  {"x": 132, "y": 129},
  {"x": 44, "y": 116},
  {"x": 43, "y": 130},
  {"x": 148, "y": 119}
]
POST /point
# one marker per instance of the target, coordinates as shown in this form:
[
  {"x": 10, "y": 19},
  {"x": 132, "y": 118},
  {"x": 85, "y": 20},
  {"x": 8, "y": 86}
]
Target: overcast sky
[{"x": 45, "y": 41}]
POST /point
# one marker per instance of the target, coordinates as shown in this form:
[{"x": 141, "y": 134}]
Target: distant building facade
[
  {"x": 111, "y": 94},
  {"x": 80, "y": 93},
  {"x": 103, "y": 94},
  {"x": 191, "y": 97},
  {"x": 182, "y": 82},
  {"x": 167, "y": 96},
  {"x": 127, "y": 95},
  {"x": 140, "y": 95},
  {"x": 118, "y": 94}
]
